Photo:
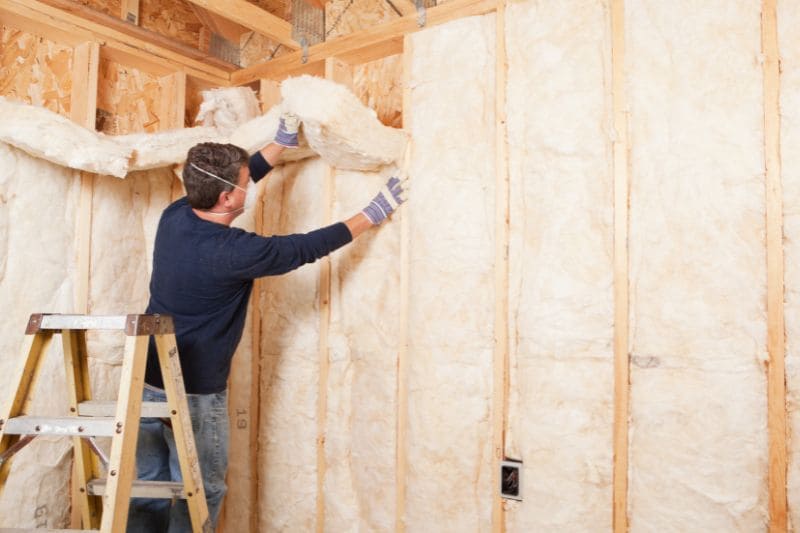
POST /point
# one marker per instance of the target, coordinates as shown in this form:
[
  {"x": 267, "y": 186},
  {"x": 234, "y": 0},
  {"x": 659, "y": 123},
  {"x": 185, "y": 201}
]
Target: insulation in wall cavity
[
  {"x": 38, "y": 208},
  {"x": 789, "y": 45},
  {"x": 35, "y": 70},
  {"x": 125, "y": 215},
  {"x": 360, "y": 440},
  {"x": 451, "y": 277},
  {"x": 290, "y": 358},
  {"x": 560, "y": 265},
  {"x": 698, "y": 434}
]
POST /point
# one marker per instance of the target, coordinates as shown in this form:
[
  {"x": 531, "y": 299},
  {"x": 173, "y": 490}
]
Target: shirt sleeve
[
  {"x": 259, "y": 167},
  {"x": 254, "y": 256}
]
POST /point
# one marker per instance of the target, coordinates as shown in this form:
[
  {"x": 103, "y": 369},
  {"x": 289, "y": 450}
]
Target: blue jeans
[{"x": 157, "y": 459}]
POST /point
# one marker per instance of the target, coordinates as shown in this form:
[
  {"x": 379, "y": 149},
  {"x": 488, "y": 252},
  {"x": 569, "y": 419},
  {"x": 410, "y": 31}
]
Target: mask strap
[{"x": 206, "y": 172}]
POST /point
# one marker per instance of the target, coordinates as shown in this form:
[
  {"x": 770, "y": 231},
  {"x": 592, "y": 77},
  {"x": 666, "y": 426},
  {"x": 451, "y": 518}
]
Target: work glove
[
  {"x": 287, "y": 130},
  {"x": 387, "y": 200}
]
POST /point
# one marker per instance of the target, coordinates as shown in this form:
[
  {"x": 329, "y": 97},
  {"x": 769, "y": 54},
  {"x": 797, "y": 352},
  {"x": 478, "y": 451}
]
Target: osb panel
[
  {"x": 127, "y": 100},
  {"x": 379, "y": 85},
  {"x": 256, "y": 49},
  {"x": 346, "y": 16},
  {"x": 171, "y": 18},
  {"x": 109, "y": 7},
  {"x": 35, "y": 70}
]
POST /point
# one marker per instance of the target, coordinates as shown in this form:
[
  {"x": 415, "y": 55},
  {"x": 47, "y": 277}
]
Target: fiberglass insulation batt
[
  {"x": 38, "y": 209},
  {"x": 451, "y": 280},
  {"x": 360, "y": 440},
  {"x": 789, "y": 45},
  {"x": 698, "y": 435},
  {"x": 290, "y": 357},
  {"x": 560, "y": 265}
]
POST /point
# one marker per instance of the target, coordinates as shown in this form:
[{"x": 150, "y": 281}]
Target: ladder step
[
  {"x": 67, "y": 426},
  {"x": 82, "y": 322},
  {"x": 109, "y": 408},
  {"x": 143, "y": 489}
]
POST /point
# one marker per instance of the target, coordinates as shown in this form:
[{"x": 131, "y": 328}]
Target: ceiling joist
[
  {"x": 363, "y": 46},
  {"x": 253, "y": 17},
  {"x": 72, "y": 23}
]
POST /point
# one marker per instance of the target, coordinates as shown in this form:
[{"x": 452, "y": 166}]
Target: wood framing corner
[
  {"x": 621, "y": 165},
  {"x": 776, "y": 375}
]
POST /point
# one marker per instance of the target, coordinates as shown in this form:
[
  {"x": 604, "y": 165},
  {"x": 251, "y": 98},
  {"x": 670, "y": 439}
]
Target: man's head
[{"x": 203, "y": 163}]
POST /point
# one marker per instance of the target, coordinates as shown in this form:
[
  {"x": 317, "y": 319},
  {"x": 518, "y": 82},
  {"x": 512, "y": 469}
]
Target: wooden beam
[
  {"x": 776, "y": 333},
  {"x": 401, "y": 452},
  {"x": 83, "y": 111},
  {"x": 367, "y": 45},
  {"x": 253, "y": 17},
  {"x": 71, "y": 23},
  {"x": 129, "y": 11},
  {"x": 502, "y": 208},
  {"x": 621, "y": 292},
  {"x": 216, "y": 24}
]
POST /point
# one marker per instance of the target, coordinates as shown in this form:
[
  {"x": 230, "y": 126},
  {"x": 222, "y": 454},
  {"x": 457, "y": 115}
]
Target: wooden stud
[
  {"x": 252, "y": 16},
  {"x": 401, "y": 453},
  {"x": 366, "y": 45},
  {"x": 121, "y": 466},
  {"x": 72, "y": 23},
  {"x": 83, "y": 109},
  {"x": 621, "y": 294},
  {"x": 129, "y": 11},
  {"x": 502, "y": 208},
  {"x": 776, "y": 333}
]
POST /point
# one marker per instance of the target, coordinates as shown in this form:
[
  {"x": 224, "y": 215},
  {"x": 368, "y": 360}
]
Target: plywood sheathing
[
  {"x": 378, "y": 84},
  {"x": 172, "y": 18},
  {"x": 128, "y": 98},
  {"x": 35, "y": 70}
]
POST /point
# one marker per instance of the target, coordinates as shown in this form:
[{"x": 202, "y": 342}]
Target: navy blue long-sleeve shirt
[{"x": 203, "y": 275}]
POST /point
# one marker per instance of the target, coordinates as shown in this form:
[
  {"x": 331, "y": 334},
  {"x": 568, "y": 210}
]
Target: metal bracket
[
  {"x": 421, "y": 13},
  {"x": 304, "y": 44}
]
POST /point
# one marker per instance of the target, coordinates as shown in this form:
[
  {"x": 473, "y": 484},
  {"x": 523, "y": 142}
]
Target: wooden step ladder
[{"x": 104, "y": 500}]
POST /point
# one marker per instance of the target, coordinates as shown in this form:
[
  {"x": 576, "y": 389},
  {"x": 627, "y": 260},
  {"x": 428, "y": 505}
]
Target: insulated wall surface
[
  {"x": 125, "y": 216},
  {"x": 290, "y": 358},
  {"x": 789, "y": 45},
  {"x": 451, "y": 282},
  {"x": 561, "y": 304},
  {"x": 38, "y": 207},
  {"x": 698, "y": 435},
  {"x": 364, "y": 337}
]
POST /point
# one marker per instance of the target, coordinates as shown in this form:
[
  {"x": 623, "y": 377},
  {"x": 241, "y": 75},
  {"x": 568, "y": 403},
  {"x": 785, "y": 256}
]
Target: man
[{"x": 203, "y": 272}]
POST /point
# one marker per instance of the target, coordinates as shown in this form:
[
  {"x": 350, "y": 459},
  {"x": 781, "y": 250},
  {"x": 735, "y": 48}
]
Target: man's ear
[{"x": 223, "y": 197}]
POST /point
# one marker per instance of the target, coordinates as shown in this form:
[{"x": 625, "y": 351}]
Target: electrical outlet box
[{"x": 511, "y": 479}]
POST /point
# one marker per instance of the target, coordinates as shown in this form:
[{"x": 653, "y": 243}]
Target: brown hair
[{"x": 223, "y": 160}]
